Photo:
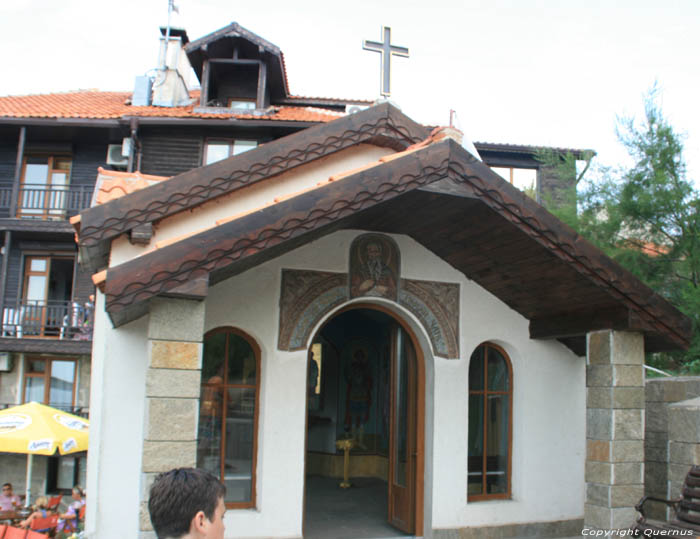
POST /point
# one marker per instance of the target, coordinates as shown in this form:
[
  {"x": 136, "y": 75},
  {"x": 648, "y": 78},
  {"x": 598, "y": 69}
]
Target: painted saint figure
[
  {"x": 358, "y": 400},
  {"x": 373, "y": 276}
]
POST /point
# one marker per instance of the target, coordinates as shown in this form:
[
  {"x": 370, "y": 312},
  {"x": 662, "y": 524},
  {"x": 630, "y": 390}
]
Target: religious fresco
[
  {"x": 305, "y": 298},
  {"x": 374, "y": 267},
  {"x": 375, "y": 264},
  {"x": 363, "y": 394},
  {"x": 436, "y": 305}
]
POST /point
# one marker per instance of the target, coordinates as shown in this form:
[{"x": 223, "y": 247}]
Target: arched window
[
  {"x": 490, "y": 423},
  {"x": 228, "y": 413}
]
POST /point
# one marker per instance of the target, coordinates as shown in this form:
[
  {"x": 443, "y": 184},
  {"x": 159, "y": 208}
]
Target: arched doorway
[{"x": 365, "y": 382}]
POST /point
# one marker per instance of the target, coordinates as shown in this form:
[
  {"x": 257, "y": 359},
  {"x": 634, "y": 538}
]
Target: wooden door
[{"x": 403, "y": 441}]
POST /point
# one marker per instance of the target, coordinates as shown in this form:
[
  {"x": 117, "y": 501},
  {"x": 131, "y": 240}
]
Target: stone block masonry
[
  {"x": 173, "y": 381},
  {"x": 665, "y": 450},
  {"x": 614, "y": 429}
]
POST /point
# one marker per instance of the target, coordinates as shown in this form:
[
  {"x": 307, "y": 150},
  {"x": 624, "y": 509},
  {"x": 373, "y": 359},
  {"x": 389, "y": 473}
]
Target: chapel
[{"x": 369, "y": 283}]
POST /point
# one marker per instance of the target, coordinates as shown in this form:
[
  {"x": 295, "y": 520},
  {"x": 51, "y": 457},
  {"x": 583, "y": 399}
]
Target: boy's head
[{"x": 187, "y": 503}]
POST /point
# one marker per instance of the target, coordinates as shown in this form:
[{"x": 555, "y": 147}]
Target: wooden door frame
[{"x": 420, "y": 407}]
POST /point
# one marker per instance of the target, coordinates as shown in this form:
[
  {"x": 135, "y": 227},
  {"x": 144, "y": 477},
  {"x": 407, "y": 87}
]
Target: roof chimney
[{"x": 170, "y": 87}]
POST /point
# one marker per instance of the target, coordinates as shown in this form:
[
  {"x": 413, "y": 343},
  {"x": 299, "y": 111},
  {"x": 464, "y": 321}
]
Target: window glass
[
  {"x": 489, "y": 431},
  {"x": 34, "y": 389},
  {"x": 242, "y": 104},
  {"x": 498, "y": 371},
  {"x": 476, "y": 370},
  {"x": 37, "y": 365},
  {"x": 37, "y": 264},
  {"x": 62, "y": 378},
  {"x": 226, "y": 439},
  {"x": 241, "y": 362},
  {"x": 238, "y": 462},
  {"x": 241, "y": 146},
  {"x": 222, "y": 149},
  {"x": 66, "y": 472},
  {"x": 214, "y": 354},
  {"x": 476, "y": 443},
  {"x": 36, "y": 171},
  {"x": 36, "y": 288},
  {"x": 56, "y": 375},
  {"x": 209, "y": 440},
  {"x": 497, "y": 447},
  {"x": 216, "y": 151}
]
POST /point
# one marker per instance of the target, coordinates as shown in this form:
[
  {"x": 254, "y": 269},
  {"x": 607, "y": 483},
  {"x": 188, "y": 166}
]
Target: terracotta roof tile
[
  {"x": 112, "y": 184},
  {"x": 93, "y": 104}
]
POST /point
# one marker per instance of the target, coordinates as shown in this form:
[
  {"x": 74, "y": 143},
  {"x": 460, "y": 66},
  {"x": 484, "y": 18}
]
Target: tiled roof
[
  {"x": 94, "y": 104},
  {"x": 112, "y": 184},
  {"x": 497, "y": 146}
]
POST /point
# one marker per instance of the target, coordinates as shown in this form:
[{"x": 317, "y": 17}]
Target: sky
[{"x": 538, "y": 72}]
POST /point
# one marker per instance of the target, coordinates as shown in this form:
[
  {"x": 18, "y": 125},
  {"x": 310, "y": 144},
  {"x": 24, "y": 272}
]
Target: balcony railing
[
  {"x": 48, "y": 319},
  {"x": 38, "y": 201}
]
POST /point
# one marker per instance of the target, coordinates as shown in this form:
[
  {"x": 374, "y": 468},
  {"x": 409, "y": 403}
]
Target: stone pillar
[
  {"x": 614, "y": 429},
  {"x": 661, "y": 393},
  {"x": 684, "y": 443},
  {"x": 175, "y": 331}
]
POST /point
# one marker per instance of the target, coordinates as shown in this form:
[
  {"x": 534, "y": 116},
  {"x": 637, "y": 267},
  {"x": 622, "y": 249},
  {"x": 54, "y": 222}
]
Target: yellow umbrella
[{"x": 36, "y": 429}]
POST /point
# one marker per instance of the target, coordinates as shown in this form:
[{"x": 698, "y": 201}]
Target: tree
[{"x": 647, "y": 218}]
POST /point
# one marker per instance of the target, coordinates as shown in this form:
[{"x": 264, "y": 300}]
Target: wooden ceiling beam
[{"x": 575, "y": 324}]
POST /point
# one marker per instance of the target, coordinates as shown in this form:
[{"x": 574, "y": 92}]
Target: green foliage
[
  {"x": 647, "y": 218},
  {"x": 562, "y": 165}
]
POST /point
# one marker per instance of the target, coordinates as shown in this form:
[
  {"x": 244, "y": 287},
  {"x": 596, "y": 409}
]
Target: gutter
[{"x": 152, "y": 120}]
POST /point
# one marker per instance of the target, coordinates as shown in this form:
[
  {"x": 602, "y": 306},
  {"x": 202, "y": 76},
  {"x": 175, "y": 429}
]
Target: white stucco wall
[
  {"x": 117, "y": 397},
  {"x": 549, "y": 405},
  {"x": 549, "y": 400}
]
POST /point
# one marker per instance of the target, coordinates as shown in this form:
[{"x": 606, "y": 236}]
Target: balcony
[
  {"x": 64, "y": 320},
  {"x": 38, "y": 201}
]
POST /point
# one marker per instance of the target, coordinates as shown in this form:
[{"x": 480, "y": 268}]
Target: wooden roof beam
[{"x": 577, "y": 324}]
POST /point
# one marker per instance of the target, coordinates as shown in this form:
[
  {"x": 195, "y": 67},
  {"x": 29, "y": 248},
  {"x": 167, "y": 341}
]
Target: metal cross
[{"x": 386, "y": 49}]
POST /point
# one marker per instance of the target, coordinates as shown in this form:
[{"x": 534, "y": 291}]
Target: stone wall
[
  {"x": 614, "y": 429},
  {"x": 672, "y": 442}
]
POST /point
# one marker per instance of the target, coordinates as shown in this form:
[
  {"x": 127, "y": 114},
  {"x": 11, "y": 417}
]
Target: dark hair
[
  {"x": 7, "y": 485},
  {"x": 178, "y": 495}
]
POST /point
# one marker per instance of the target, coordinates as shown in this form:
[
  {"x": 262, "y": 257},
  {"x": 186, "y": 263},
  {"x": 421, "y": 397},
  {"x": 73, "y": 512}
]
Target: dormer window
[
  {"x": 237, "y": 70},
  {"x": 219, "y": 149}
]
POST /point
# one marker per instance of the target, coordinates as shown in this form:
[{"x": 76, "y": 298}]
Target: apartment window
[
  {"x": 44, "y": 187},
  {"x": 524, "y": 179},
  {"x": 228, "y": 412},
  {"x": 46, "y": 309},
  {"x": 50, "y": 381},
  {"x": 216, "y": 150},
  {"x": 490, "y": 423}
]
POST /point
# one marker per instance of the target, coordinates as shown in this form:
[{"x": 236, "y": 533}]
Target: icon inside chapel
[{"x": 374, "y": 266}]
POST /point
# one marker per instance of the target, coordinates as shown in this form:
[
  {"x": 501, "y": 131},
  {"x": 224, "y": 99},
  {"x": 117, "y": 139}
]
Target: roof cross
[{"x": 386, "y": 49}]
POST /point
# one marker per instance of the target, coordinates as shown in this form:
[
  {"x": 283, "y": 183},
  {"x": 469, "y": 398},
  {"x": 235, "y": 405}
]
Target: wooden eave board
[
  {"x": 382, "y": 124},
  {"x": 403, "y": 196},
  {"x": 231, "y": 243}
]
